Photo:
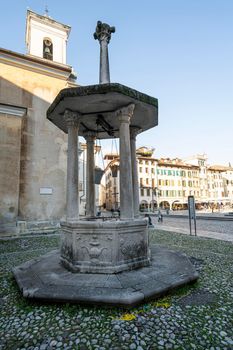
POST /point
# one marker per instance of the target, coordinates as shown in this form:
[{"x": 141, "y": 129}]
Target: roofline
[
  {"x": 220, "y": 168},
  {"x": 35, "y": 59},
  {"x": 147, "y": 158},
  {"x": 53, "y": 21},
  {"x": 190, "y": 166}
]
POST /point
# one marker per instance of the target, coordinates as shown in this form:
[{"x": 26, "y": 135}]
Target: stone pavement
[
  {"x": 207, "y": 234},
  {"x": 204, "y": 229},
  {"x": 195, "y": 317}
]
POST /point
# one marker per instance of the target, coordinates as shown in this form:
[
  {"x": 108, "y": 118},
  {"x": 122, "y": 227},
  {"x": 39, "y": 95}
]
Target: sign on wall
[{"x": 46, "y": 190}]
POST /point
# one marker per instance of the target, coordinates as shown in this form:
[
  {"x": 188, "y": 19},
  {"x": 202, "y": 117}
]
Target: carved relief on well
[
  {"x": 105, "y": 248},
  {"x": 133, "y": 248},
  {"x": 95, "y": 248},
  {"x": 67, "y": 251}
]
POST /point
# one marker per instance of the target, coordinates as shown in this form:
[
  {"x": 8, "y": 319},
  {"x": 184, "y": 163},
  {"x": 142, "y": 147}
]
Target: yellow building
[{"x": 33, "y": 150}]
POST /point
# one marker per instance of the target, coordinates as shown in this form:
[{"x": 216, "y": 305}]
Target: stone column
[
  {"x": 72, "y": 191},
  {"x": 90, "y": 177},
  {"x": 126, "y": 188},
  {"x": 103, "y": 34},
  {"x": 133, "y": 133}
]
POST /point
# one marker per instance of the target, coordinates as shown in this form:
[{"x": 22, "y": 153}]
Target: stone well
[{"x": 107, "y": 262}]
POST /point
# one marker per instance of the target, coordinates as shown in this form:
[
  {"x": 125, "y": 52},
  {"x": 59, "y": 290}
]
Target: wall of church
[
  {"x": 10, "y": 141},
  {"x": 42, "y": 175}
]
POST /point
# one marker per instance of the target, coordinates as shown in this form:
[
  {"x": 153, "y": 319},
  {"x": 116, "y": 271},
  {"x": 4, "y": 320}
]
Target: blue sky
[{"x": 180, "y": 51}]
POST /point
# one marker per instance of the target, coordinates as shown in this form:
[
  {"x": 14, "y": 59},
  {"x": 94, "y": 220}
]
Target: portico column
[
  {"x": 133, "y": 133},
  {"x": 90, "y": 187},
  {"x": 126, "y": 188},
  {"x": 72, "y": 191}
]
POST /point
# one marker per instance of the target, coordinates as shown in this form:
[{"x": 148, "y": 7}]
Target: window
[
  {"x": 152, "y": 170},
  {"x": 201, "y": 162},
  {"x": 147, "y": 170},
  {"x": 169, "y": 172},
  {"x": 148, "y": 192},
  {"x": 140, "y": 169},
  {"x": 147, "y": 181},
  {"x": 47, "y": 49},
  {"x": 142, "y": 192}
]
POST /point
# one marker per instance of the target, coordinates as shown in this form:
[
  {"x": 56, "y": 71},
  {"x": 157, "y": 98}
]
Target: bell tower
[{"x": 46, "y": 38}]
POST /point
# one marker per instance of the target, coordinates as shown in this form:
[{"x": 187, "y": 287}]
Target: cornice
[
  {"x": 12, "y": 110},
  {"x": 35, "y": 64},
  {"x": 48, "y": 20}
]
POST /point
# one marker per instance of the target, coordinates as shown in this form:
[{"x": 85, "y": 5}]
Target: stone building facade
[
  {"x": 169, "y": 182},
  {"x": 33, "y": 151}
]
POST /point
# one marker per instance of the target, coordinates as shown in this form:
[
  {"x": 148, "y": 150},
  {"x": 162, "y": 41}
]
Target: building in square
[{"x": 167, "y": 183}]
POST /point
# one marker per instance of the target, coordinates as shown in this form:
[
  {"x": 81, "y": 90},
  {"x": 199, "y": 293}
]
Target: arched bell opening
[{"x": 48, "y": 49}]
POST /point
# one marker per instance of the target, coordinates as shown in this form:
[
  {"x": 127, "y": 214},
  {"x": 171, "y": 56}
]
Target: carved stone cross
[{"x": 103, "y": 34}]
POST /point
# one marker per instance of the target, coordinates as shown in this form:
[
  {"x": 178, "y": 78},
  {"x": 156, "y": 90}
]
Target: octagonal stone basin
[
  {"x": 96, "y": 102},
  {"x": 104, "y": 246}
]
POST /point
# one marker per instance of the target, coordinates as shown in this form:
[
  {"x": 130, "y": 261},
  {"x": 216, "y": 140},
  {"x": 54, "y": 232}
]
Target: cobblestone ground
[{"x": 195, "y": 317}]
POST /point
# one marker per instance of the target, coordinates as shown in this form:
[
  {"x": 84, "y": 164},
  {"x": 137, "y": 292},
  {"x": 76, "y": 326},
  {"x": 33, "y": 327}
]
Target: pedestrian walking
[
  {"x": 149, "y": 220},
  {"x": 160, "y": 216}
]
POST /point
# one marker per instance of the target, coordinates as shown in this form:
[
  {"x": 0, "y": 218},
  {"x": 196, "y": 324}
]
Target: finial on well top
[{"x": 103, "y": 33}]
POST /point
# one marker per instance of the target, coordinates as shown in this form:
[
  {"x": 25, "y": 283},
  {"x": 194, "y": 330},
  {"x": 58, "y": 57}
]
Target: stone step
[
  {"x": 8, "y": 229},
  {"x": 32, "y": 227}
]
